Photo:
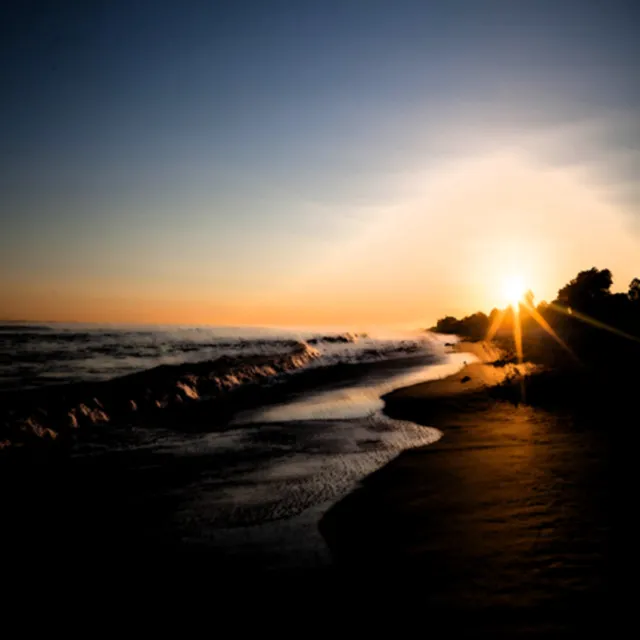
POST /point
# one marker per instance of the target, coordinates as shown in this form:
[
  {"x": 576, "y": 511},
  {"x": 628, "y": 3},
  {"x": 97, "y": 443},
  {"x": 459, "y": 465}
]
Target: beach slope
[{"x": 505, "y": 517}]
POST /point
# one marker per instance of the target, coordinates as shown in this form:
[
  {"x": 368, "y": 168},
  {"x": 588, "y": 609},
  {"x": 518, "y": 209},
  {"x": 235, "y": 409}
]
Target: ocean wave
[
  {"x": 340, "y": 338},
  {"x": 53, "y": 413},
  {"x": 31, "y": 359}
]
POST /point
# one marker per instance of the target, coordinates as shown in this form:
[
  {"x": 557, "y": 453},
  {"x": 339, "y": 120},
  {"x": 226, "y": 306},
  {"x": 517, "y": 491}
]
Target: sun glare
[{"x": 513, "y": 289}]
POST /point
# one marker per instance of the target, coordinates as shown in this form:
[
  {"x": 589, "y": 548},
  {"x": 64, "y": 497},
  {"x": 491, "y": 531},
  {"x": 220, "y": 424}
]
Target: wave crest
[{"x": 48, "y": 414}]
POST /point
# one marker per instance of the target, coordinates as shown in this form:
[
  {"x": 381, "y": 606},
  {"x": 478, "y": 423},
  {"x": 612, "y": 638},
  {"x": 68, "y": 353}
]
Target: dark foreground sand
[{"x": 502, "y": 525}]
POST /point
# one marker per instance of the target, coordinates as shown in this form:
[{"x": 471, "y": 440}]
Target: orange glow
[
  {"x": 495, "y": 324},
  {"x": 517, "y": 327},
  {"x": 438, "y": 246},
  {"x": 545, "y": 325},
  {"x": 517, "y": 332}
]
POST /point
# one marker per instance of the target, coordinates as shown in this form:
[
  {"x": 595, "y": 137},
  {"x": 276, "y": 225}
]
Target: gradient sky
[{"x": 332, "y": 162}]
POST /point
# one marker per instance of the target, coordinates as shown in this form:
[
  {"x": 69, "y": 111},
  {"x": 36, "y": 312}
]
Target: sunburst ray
[
  {"x": 535, "y": 314},
  {"x": 495, "y": 325},
  {"x": 572, "y": 313}
]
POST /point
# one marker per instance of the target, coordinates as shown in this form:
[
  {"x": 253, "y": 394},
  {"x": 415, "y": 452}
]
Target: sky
[{"x": 343, "y": 162}]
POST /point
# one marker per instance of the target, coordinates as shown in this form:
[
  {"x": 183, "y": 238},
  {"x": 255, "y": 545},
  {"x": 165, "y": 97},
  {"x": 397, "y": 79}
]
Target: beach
[
  {"x": 495, "y": 513},
  {"x": 232, "y": 460},
  {"x": 505, "y": 523}
]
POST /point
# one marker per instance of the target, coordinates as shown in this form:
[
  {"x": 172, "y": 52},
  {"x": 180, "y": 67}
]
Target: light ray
[
  {"x": 495, "y": 325},
  {"x": 592, "y": 321},
  {"x": 545, "y": 325},
  {"x": 517, "y": 332},
  {"x": 517, "y": 335}
]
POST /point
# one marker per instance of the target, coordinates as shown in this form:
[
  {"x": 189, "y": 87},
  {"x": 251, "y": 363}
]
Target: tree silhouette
[
  {"x": 474, "y": 326},
  {"x": 596, "y": 323},
  {"x": 587, "y": 288}
]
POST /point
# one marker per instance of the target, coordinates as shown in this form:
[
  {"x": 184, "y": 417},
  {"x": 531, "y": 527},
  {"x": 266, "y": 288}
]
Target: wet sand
[
  {"x": 502, "y": 525},
  {"x": 239, "y": 497}
]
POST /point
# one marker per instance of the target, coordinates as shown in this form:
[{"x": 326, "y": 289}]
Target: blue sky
[{"x": 214, "y": 153}]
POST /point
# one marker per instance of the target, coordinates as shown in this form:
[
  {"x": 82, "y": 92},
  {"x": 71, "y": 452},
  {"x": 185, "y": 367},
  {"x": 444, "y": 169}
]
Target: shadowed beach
[
  {"x": 504, "y": 523},
  {"x": 481, "y": 478}
]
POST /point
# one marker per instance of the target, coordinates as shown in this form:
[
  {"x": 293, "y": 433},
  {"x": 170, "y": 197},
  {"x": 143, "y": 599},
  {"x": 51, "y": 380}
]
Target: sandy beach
[
  {"x": 487, "y": 368},
  {"x": 501, "y": 525}
]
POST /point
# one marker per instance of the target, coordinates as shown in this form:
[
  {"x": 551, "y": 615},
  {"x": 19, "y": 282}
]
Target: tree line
[{"x": 586, "y": 315}]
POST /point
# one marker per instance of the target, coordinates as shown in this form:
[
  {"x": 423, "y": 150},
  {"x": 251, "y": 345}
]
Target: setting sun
[{"x": 513, "y": 289}]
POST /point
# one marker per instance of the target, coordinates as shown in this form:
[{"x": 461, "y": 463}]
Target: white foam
[
  {"x": 321, "y": 446},
  {"x": 325, "y": 461},
  {"x": 355, "y": 401}
]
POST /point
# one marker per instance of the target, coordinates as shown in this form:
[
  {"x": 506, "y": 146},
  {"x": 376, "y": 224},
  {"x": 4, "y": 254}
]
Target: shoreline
[
  {"x": 191, "y": 397},
  {"x": 491, "y": 368},
  {"x": 504, "y": 520},
  {"x": 506, "y": 515},
  {"x": 435, "y": 403}
]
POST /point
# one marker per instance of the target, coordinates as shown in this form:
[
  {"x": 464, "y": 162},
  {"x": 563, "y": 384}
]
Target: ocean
[
  {"x": 141, "y": 406},
  {"x": 228, "y": 454},
  {"x": 36, "y": 355}
]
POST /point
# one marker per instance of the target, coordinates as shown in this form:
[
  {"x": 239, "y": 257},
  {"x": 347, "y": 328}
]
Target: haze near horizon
[{"x": 286, "y": 163}]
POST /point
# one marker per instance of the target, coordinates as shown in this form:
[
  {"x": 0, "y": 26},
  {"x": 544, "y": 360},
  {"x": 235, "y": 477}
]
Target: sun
[{"x": 513, "y": 289}]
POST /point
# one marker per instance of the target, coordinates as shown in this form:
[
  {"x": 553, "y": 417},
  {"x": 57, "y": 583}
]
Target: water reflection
[{"x": 356, "y": 399}]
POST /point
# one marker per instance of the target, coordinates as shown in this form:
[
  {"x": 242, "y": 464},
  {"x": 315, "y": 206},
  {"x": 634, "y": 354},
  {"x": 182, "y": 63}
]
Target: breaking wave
[
  {"x": 120, "y": 376},
  {"x": 39, "y": 355},
  {"x": 51, "y": 412}
]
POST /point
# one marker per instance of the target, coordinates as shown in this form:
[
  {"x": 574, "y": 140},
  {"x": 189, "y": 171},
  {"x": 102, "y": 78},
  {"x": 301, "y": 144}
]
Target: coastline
[
  {"x": 506, "y": 518},
  {"x": 490, "y": 368},
  {"x": 245, "y": 495},
  {"x": 503, "y": 522}
]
